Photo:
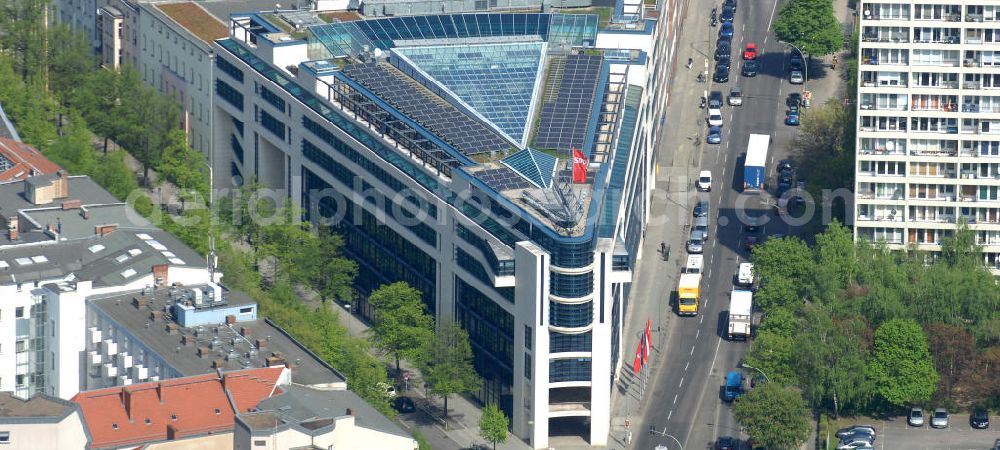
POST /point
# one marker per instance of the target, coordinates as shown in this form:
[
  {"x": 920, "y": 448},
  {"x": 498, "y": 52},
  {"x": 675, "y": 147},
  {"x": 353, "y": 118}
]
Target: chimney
[
  {"x": 127, "y": 401},
  {"x": 350, "y": 412},
  {"x": 85, "y": 212},
  {"x": 70, "y": 204},
  {"x": 245, "y": 331},
  {"x": 104, "y": 230},
  {"x": 159, "y": 392},
  {"x": 12, "y": 225},
  {"x": 62, "y": 186}
]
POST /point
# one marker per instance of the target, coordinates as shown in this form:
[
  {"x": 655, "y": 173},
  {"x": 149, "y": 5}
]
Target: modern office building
[
  {"x": 441, "y": 146},
  {"x": 377, "y": 8},
  {"x": 928, "y": 140}
]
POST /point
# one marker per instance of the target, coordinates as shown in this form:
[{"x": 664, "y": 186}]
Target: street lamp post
[
  {"x": 805, "y": 64},
  {"x": 748, "y": 366},
  {"x": 664, "y": 434}
]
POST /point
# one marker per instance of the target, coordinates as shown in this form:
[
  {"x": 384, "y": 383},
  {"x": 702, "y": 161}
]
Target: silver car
[
  {"x": 795, "y": 77},
  {"x": 940, "y": 418},
  {"x": 701, "y": 224},
  {"x": 696, "y": 242},
  {"x": 916, "y": 417}
]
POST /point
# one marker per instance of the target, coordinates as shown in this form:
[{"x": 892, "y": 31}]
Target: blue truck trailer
[{"x": 755, "y": 163}]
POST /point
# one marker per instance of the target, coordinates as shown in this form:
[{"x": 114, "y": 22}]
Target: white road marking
[
  {"x": 671, "y": 413},
  {"x": 701, "y": 397},
  {"x": 692, "y": 350},
  {"x": 686, "y": 365},
  {"x": 700, "y": 320},
  {"x": 675, "y": 399},
  {"x": 682, "y": 383},
  {"x": 770, "y": 19},
  {"x": 698, "y": 333}
]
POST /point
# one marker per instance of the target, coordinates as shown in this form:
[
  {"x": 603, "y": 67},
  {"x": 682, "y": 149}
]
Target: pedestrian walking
[{"x": 690, "y": 63}]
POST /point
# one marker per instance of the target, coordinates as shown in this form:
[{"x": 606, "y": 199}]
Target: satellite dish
[
  {"x": 890, "y": 145},
  {"x": 377, "y": 52}
]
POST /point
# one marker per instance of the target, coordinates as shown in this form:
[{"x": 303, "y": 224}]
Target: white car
[
  {"x": 715, "y": 117},
  {"x": 916, "y": 417},
  {"x": 744, "y": 277},
  {"x": 704, "y": 182}
]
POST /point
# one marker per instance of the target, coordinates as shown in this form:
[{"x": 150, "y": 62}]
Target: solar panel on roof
[
  {"x": 503, "y": 178},
  {"x": 564, "y": 120},
  {"x": 440, "y": 118}
]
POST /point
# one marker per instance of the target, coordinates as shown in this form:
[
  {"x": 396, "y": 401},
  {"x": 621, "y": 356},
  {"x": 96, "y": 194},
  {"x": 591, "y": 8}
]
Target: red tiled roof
[
  {"x": 25, "y": 161},
  {"x": 145, "y": 412}
]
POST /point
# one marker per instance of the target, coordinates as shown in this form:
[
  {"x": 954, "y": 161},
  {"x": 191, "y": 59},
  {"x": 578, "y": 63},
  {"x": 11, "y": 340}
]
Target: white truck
[
  {"x": 740, "y": 315},
  {"x": 744, "y": 275}
]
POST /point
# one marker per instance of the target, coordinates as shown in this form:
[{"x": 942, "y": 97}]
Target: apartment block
[{"x": 928, "y": 140}]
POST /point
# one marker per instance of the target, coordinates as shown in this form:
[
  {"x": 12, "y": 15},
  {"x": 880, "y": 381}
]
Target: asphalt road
[{"x": 683, "y": 393}]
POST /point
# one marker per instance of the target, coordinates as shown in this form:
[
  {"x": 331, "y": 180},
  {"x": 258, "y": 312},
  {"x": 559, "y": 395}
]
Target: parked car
[
  {"x": 701, "y": 224},
  {"x": 916, "y": 417},
  {"x": 725, "y": 443},
  {"x": 785, "y": 164},
  {"x": 996, "y": 445},
  {"x": 979, "y": 419},
  {"x": 795, "y": 61},
  {"x": 847, "y": 431},
  {"x": 735, "y": 96},
  {"x": 792, "y": 118},
  {"x": 404, "y": 405},
  {"x": 794, "y": 99},
  {"x": 795, "y": 77},
  {"x": 855, "y": 445},
  {"x": 727, "y": 30},
  {"x": 750, "y": 242},
  {"x": 714, "y": 135},
  {"x": 750, "y": 68},
  {"x": 715, "y": 117},
  {"x": 721, "y": 74},
  {"x": 859, "y": 436},
  {"x": 695, "y": 243},
  {"x": 728, "y": 14},
  {"x": 701, "y": 209},
  {"x": 704, "y": 182},
  {"x": 730, "y": 3},
  {"x": 940, "y": 418},
  {"x": 723, "y": 50},
  {"x": 750, "y": 51}
]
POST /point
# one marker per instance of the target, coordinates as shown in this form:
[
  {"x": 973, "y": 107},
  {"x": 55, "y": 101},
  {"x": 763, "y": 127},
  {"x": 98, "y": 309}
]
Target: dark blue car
[
  {"x": 726, "y": 30},
  {"x": 714, "y": 135},
  {"x": 792, "y": 118}
]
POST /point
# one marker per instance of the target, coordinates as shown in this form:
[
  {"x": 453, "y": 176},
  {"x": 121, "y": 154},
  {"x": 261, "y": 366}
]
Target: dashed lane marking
[
  {"x": 697, "y": 334},
  {"x": 682, "y": 383},
  {"x": 692, "y": 351},
  {"x": 675, "y": 399},
  {"x": 686, "y": 365}
]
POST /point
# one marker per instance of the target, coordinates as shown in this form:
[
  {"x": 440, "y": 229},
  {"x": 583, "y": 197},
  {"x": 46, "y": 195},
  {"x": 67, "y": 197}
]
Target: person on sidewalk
[{"x": 690, "y": 62}]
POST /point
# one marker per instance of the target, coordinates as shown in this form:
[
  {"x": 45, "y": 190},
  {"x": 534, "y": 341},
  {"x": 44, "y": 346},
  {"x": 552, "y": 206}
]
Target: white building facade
[
  {"x": 928, "y": 141},
  {"x": 541, "y": 292}
]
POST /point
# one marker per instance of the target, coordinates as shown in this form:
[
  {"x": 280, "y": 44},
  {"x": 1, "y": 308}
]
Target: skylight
[
  {"x": 121, "y": 258},
  {"x": 128, "y": 273},
  {"x": 177, "y": 261},
  {"x": 24, "y": 261},
  {"x": 143, "y": 236},
  {"x": 3, "y": 264},
  {"x": 95, "y": 248},
  {"x": 169, "y": 254},
  {"x": 39, "y": 259},
  {"x": 156, "y": 245},
  {"x": 135, "y": 252}
]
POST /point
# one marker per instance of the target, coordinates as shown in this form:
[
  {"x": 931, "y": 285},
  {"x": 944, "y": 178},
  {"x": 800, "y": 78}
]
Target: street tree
[
  {"x": 402, "y": 326},
  {"x": 957, "y": 361},
  {"x": 446, "y": 363},
  {"x": 835, "y": 262},
  {"x": 493, "y": 425},
  {"x": 183, "y": 166},
  {"x": 772, "y": 353},
  {"x": 811, "y": 26},
  {"x": 901, "y": 366},
  {"x": 149, "y": 117},
  {"x": 774, "y": 416},
  {"x": 830, "y": 360},
  {"x": 789, "y": 258},
  {"x": 326, "y": 270}
]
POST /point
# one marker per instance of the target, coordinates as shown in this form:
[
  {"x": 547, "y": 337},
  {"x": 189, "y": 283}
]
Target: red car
[{"x": 750, "y": 52}]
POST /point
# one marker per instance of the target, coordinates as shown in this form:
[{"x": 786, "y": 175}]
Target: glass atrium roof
[
  {"x": 534, "y": 165},
  {"x": 355, "y": 37},
  {"x": 496, "y": 81}
]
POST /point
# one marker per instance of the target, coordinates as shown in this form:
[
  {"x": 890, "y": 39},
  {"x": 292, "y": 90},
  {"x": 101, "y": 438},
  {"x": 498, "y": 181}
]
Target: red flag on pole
[
  {"x": 637, "y": 364},
  {"x": 647, "y": 343},
  {"x": 579, "y": 166}
]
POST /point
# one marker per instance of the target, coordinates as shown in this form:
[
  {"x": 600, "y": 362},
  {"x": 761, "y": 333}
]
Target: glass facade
[
  {"x": 571, "y": 285},
  {"x": 576, "y": 369},
  {"x": 272, "y": 124},
  {"x": 559, "y": 342},
  {"x": 496, "y": 80},
  {"x": 571, "y": 315},
  {"x": 234, "y": 143},
  {"x": 230, "y": 95},
  {"x": 491, "y": 332},
  {"x": 272, "y": 98},
  {"x": 228, "y": 68}
]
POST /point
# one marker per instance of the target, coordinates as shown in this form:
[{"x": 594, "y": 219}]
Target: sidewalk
[{"x": 459, "y": 431}]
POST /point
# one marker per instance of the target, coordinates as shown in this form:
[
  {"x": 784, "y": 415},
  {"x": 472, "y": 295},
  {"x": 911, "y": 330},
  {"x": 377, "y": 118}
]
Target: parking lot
[{"x": 895, "y": 434}]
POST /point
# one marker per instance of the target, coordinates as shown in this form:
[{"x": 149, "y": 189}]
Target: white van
[
  {"x": 694, "y": 264},
  {"x": 744, "y": 276}
]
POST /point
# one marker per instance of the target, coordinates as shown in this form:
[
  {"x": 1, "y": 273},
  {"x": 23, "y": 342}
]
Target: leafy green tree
[
  {"x": 831, "y": 363},
  {"x": 810, "y": 25},
  {"x": 835, "y": 262},
  {"x": 183, "y": 166},
  {"x": 957, "y": 362},
  {"x": 25, "y": 38},
  {"x": 493, "y": 425},
  {"x": 772, "y": 353},
  {"x": 402, "y": 326},
  {"x": 902, "y": 367},
  {"x": 788, "y": 258},
  {"x": 446, "y": 363},
  {"x": 774, "y": 416},
  {"x": 69, "y": 62},
  {"x": 326, "y": 270},
  {"x": 148, "y": 118}
]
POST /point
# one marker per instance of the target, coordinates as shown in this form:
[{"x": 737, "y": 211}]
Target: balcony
[
  {"x": 885, "y": 39},
  {"x": 877, "y": 107},
  {"x": 973, "y": 17},
  {"x": 944, "y": 218},
  {"x": 972, "y": 85},
  {"x": 933, "y": 153},
  {"x": 974, "y": 62},
  {"x": 898, "y": 218},
  {"x": 882, "y": 151}
]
